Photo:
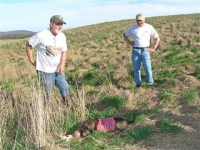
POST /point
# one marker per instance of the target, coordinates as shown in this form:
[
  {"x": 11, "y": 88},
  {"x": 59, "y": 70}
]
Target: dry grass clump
[{"x": 189, "y": 81}]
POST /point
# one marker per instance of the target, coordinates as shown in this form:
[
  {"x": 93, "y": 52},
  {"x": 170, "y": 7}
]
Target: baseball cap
[
  {"x": 140, "y": 16},
  {"x": 57, "y": 19}
]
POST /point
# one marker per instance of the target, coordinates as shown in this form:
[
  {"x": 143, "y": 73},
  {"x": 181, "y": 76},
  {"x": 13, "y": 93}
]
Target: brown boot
[{"x": 69, "y": 101}]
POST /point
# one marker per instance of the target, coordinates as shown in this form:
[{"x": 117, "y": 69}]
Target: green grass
[
  {"x": 166, "y": 94},
  {"x": 95, "y": 65},
  {"x": 16, "y": 132},
  {"x": 197, "y": 72},
  {"x": 138, "y": 134},
  {"x": 92, "y": 92},
  {"x": 6, "y": 85},
  {"x": 97, "y": 141},
  {"x": 113, "y": 101},
  {"x": 106, "y": 113},
  {"x": 198, "y": 109},
  {"x": 94, "y": 78},
  {"x": 109, "y": 140},
  {"x": 167, "y": 127},
  {"x": 190, "y": 96}
]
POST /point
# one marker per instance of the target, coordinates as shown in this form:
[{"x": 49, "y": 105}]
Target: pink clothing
[{"x": 106, "y": 124}]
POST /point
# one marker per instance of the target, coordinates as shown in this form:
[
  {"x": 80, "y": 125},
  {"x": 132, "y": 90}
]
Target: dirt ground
[{"x": 188, "y": 117}]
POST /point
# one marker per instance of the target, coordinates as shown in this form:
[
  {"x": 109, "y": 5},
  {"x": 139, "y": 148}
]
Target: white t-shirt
[
  {"x": 141, "y": 35},
  {"x": 49, "y": 48}
]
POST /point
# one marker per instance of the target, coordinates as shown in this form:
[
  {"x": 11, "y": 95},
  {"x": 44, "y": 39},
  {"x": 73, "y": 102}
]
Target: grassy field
[{"x": 99, "y": 72}]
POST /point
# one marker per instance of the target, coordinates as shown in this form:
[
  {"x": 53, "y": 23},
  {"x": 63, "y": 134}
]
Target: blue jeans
[
  {"x": 142, "y": 56},
  {"x": 47, "y": 80}
]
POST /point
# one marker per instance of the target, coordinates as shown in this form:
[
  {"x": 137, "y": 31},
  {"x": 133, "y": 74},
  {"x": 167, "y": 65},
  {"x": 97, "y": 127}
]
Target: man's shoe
[
  {"x": 152, "y": 85},
  {"x": 138, "y": 86},
  {"x": 69, "y": 101}
]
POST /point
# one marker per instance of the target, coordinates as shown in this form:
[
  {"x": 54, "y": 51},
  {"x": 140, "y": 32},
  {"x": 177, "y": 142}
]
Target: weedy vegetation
[
  {"x": 167, "y": 127},
  {"x": 100, "y": 73}
]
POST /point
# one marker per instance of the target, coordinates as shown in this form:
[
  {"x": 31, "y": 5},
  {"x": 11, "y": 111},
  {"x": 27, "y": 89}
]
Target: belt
[{"x": 140, "y": 47}]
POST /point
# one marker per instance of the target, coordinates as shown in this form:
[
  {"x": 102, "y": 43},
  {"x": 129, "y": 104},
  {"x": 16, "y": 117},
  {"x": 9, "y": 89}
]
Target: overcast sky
[{"x": 34, "y": 15}]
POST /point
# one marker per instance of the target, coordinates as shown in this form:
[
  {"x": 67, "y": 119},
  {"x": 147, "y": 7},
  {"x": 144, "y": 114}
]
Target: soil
[{"x": 188, "y": 117}]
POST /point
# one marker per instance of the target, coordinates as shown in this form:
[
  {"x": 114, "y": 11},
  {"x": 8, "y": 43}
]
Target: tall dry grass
[
  {"x": 41, "y": 124},
  {"x": 21, "y": 102}
]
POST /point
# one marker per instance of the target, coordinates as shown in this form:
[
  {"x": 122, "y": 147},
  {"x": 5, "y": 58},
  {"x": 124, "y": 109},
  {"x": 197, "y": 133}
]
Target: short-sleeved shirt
[
  {"x": 49, "y": 48},
  {"x": 141, "y": 35}
]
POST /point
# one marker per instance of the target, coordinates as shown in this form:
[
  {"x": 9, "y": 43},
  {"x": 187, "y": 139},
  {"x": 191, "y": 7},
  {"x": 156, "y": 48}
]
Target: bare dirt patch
[{"x": 188, "y": 117}]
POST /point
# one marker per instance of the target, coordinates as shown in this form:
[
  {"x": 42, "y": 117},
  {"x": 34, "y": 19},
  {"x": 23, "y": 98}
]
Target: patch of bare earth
[
  {"x": 188, "y": 139},
  {"x": 186, "y": 116}
]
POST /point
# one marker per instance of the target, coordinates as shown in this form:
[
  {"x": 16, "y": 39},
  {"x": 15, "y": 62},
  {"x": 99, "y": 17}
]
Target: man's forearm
[
  {"x": 126, "y": 38},
  {"x": 29, "y": 51},
  {"x": 30, "y": 54},
  {"x": 157, "y": 40},
  {"x": 63, "y": 58}
]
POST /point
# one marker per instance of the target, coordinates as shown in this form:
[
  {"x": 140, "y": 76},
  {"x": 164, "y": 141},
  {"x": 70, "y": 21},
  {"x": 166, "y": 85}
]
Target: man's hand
[
  {"x": 30, "y": 54},
  {"x": 151, "y": 49},
  {"x": 33, "y": 62},
  {"x": 131, "y": 43},
  {"x": 127, "y": 40},
  {"x": 61, "y": 69}
]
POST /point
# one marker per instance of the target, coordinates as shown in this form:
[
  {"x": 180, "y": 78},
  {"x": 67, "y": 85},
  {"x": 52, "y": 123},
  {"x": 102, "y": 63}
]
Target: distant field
[{"x": 11, "y": 40}]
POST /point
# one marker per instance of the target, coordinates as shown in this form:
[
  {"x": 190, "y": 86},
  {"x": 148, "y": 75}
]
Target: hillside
[
  {"x": 99, "y": 72},
  {"x": 17, "y": 34}
]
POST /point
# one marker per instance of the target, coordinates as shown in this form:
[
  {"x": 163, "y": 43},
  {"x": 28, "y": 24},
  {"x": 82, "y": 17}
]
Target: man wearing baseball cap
[
  {"x": 50, "y": 60},
  {"x": 57, "y": 19},
  {"x": 141, "y": 33}
]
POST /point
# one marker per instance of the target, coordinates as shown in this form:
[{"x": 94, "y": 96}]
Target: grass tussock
[{"x": 100, "y": 73}]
